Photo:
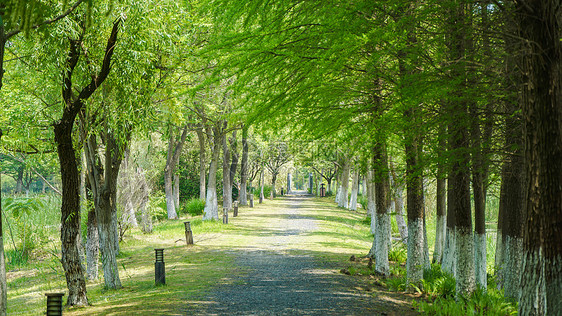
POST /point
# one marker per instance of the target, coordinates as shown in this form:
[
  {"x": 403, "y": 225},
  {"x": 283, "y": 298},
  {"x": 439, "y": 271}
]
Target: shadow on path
[{"x": 282, "y": 281}]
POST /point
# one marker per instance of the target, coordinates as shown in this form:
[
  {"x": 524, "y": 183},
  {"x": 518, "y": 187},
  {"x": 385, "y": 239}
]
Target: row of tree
[
  {"x": 469, "y": 92},
  {"x": 461, "y": 91}
]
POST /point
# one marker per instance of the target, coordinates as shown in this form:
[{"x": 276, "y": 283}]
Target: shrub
[
  {"x": 193, "y": 207},
  {"x": 157, "y": 207},
  {"x": 266, "y": 192},
  {"x": 397, "y": 253},
  {"x": 361, "y": 199}
]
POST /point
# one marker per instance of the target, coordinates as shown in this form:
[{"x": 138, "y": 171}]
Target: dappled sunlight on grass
[{"x": 329, "y": 234}]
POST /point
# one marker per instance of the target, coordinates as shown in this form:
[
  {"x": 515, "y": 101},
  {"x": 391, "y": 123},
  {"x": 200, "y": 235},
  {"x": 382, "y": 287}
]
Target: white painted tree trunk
[
  {"x": 449, "y": 254},
  {"x": 364, "y": 186},
  {"x": 354, "y": 191},
  {"x": 226, "y": 183},
  {"x": 415, "y": 262},
  {"x": 382, "y": 223},
  {"x": 480, "y": 260},
  {"x": 202, "y": 163},
  {"x": 177, "y": 191},
  {"x": 338, "y": 194},
  {"x": 211, "y": 210},
  {"x": 399, "y": 211},
  {"x": 371, "y": 206},
  {"x": 92, "y": 247},
  {"x": 499, "y": 258},
  {"x": 108, "y": 255},
  {"x": 262, "y": 179},
  {"x": 465, "y": 276},
  {"x": 343, "y": 200},
  {"x": 170, "y": 200},
  {"x": 129, "y": 216},
  {"x": 441, "y": 229}
]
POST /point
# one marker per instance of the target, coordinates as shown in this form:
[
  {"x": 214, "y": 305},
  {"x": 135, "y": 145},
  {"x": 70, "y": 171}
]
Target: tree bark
[
  {"x": 243, "y": 196},
  {"x": 261, "y": 185},
  {"x": 70, "y": 213},
  {"x": 371, "y": 209},
  {"x": 202, "y": 162},
  {"x": 226, "y": 183},
  {"x": 92, "y": 246},
  {"x": 382, "y": 215},
  {"x": 541, "y": 280},
  {"x": 441, "y": 205},
  {"x": 234, "y": 163},
  {"x": 211, "y": 210},
  {"x": 354, "y": 190},
  {"x": 172, "y": 159}
]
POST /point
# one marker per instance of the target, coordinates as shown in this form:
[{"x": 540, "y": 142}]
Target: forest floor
[
  {"x": 282, "y": 257},
  {"x": 289, "y": 264}
]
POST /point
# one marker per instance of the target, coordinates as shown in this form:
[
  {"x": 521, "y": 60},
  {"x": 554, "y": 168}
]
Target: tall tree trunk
[
  {"x": 70, "y": 215},
  {"x": 288, "y": 183},
  {"x": 354, "y": 190},
  {"x": 509, "y": 249},
  {"x": 382, "y": 216},
  {"x": 211, "y": 210},
  {"x": 202, "y": 162},
  {"x": 371, "y": 209},
  {"x": 273, "y": 180},
  {"x": 172, "y": 159},
  {"x": 234, "y": 155},
  {"x": 70, "y": 208},
  {"x": 398, "y": 198},
  {"x": 176, "y": 191},
  {"x": 261, "y": 185},
  {"x": 344, "y": 187},
  {"x": 226, "y": 183},
  {"x": 103, "y": 180},
  {"x": 243, "y": 195},
  {"x": 477, "y": 164},
  {"x": 92, "y": 246},
  {"x": 441, "y": 205},
  {"x": 415, "y": 206},
  {"x": 541, "y": 280}
]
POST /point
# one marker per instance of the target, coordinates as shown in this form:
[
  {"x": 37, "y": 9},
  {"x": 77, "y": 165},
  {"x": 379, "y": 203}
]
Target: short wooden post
[
  {"x": 159, "y": 267},
  {"x": 54, "y": 304},
  {"x": 251, "y": 200},
  {"x": 188, "y": 233},
  {"x": 225, "y": 215},
  {"x": 235, "y": 212}
]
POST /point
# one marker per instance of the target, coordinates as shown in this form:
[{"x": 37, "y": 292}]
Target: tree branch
[{"x": 46, "y": 22}]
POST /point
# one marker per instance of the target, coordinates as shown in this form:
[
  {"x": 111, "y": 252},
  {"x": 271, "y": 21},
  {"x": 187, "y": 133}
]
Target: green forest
[{"x": 421, "y": 138}]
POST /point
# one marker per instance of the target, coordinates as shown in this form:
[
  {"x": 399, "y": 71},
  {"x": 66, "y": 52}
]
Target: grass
[{"x": 191, "y": 271}]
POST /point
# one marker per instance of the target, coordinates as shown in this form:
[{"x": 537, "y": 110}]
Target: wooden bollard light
[
  {"x": 159, "y": 268},
  {"x": 188, "y": 233},
  {"x": 235, "y": 212},
  {"x": 54, "y": 304},
  {"x": 225, "y": 215}
]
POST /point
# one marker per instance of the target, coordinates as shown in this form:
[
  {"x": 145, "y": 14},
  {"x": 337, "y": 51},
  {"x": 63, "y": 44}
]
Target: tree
[
  {"x": 277, "y": 155},
  {"x": 70, "y": 209},
  {"x": 175, "y": 145},
  {"x": 538, "y": 23}
]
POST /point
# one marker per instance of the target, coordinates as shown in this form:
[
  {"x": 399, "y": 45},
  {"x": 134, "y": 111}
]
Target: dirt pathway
[{"x": 281, "y": 279}]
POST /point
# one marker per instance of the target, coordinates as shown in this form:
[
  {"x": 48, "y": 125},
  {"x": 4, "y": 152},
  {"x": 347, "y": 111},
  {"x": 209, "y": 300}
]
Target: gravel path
[{"x": 280, "y": 282}]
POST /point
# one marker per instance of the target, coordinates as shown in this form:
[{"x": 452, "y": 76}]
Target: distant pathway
[{"x": 282, "y": 283}]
